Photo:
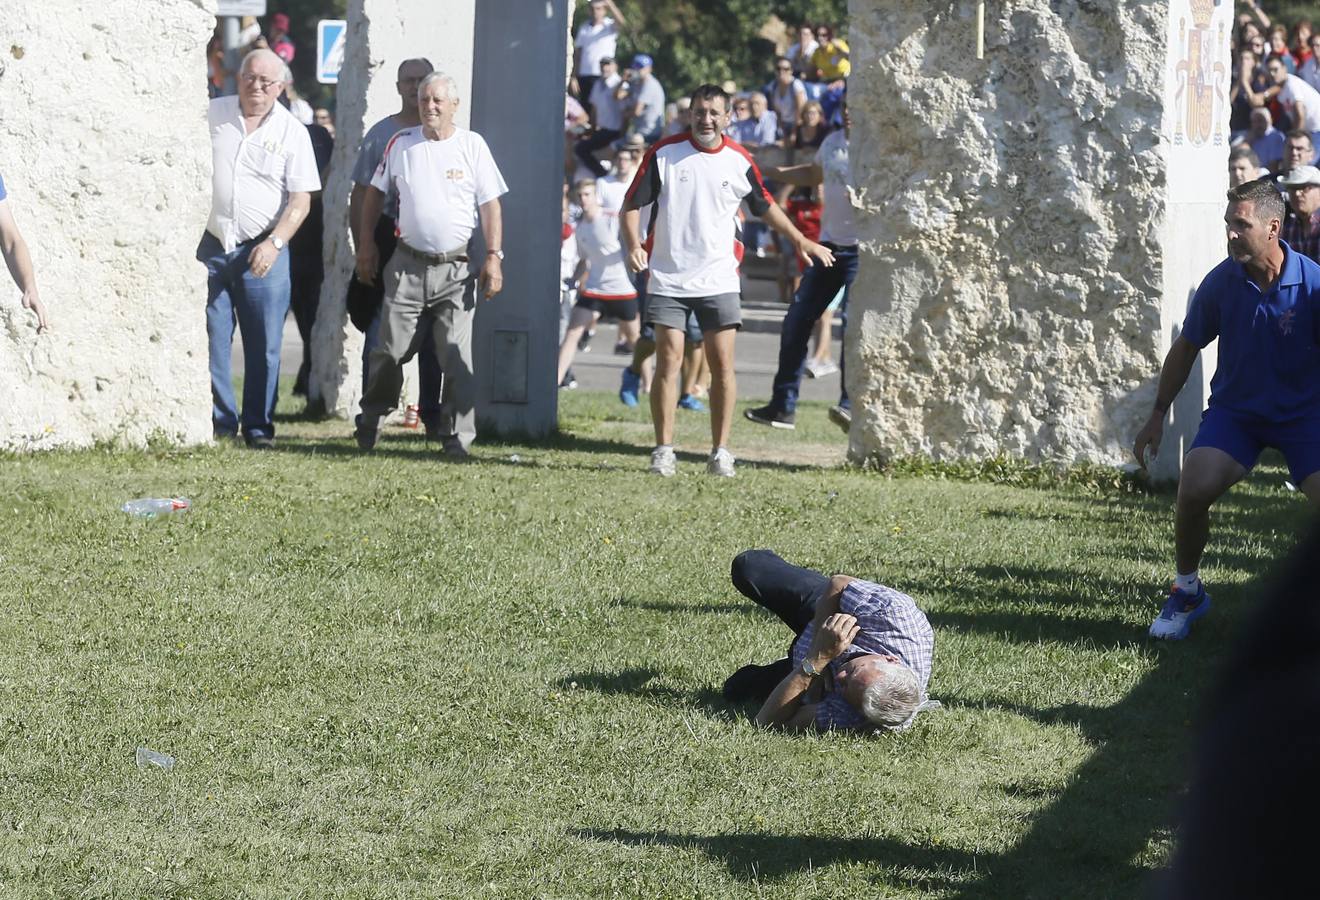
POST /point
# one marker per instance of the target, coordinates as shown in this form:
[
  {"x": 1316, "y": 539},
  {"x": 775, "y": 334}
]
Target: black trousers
[
  {"x": 791, "y": 593},
  {"x": 587, "y": 147}
]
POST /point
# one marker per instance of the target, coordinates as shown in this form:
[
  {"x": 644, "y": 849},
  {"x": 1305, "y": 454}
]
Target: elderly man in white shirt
[
  {"x": 263, "y": 174},
  {"x": 444, "y": 176}
]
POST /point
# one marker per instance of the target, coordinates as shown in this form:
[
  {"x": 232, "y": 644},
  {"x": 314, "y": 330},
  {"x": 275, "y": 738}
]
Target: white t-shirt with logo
[
  {"x": 694, "y": 246},
  {"x": 1302, "y": 101},
  {"x": 598, "y": 243},
  {"x": 441, "y": 185},
  {"x": 253, "y": 174},
  {"x": 836, "y": 216},
  {"x": 596, "y": 42}
]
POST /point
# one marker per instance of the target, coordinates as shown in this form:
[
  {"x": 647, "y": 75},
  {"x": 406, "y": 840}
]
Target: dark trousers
[
  {"x": 791, "y": 593},
  {"x": 818, "y": 287},
  {"x": 585, "y": 84},
  {"x": 304, "y": 297},
  {"x": 587, "y": 147}
]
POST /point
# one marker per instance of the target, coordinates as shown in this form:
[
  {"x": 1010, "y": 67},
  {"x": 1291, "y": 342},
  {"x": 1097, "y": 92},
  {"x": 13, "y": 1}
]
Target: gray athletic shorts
[{"x": 713, "y": 312}]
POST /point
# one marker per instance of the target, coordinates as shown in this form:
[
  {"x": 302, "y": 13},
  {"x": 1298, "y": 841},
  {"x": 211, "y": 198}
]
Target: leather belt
[{"x": 435, "y": 258}]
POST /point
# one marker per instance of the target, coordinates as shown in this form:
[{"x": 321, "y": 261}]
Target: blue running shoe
[
  {"x": 1180, "y": 611},
  {"x": 687, "y": 401},
  {"x": 628, "y": 388}
]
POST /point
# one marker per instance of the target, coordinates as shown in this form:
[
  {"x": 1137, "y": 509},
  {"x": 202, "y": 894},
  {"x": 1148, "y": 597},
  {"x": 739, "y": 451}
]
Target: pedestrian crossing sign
[{"x": 330, "y": 34}]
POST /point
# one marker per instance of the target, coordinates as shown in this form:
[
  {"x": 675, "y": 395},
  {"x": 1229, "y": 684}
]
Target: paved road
[{"x": 757, "y": 349}]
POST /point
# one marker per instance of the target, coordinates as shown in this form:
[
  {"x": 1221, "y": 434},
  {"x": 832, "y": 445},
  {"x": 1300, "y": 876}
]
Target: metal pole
[
  {"x": 980, "y": 29},
  {"x": 230, "y": 38}
]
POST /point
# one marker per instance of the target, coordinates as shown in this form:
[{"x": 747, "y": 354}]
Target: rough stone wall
[
  {"x": 105, "y": 154},
  {"x": 381, "y": 34},
  {"x": 1013, "y": 213}
]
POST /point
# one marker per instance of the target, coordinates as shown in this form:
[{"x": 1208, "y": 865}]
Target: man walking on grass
[
  {"x": 697, "y": 181},
  {"x": 819, "y": 285},
  {"x": 1263, "y": 304},
  {"x": 444, "y": 177}
]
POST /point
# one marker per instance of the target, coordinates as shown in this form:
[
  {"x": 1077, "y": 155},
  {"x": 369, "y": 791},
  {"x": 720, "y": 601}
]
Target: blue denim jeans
[
  {"x": 258, "y": 305},
  {"x": 818, "y": 287}
]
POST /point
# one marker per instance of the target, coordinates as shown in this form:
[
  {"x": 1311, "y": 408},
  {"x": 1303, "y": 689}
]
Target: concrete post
[{"x": 519, "y": 110}]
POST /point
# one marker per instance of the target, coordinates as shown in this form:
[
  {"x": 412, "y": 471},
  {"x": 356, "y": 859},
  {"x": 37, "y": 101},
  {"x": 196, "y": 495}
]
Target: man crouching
[{"x": 860, "y": 658}]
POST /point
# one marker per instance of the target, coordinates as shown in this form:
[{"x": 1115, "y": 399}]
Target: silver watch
[
  {"x": 808, "y": 669},
  {"x": 278, "y": 242},
  {"x": 498, "y": 254}
]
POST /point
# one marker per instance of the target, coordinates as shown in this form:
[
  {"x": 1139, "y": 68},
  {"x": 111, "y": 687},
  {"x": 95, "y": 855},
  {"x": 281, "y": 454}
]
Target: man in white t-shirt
[
  {"x": 444, "y": 177},
  {"x": 607, "y": 289},
  {"x": 819, "y": 285},
  {"x": 597, "y": 38},
  {"x": 263, "y": 172},
  {"x": 697, "y": 181},
  {"x": 606, "y": 117},
  {"x": 1299, "y": 100}
]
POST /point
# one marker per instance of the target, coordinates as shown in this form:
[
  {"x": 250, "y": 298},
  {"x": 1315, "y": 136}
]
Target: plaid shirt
[
  {"x": 889, "y": 623},
  {"x": 1304, "y": 237}
]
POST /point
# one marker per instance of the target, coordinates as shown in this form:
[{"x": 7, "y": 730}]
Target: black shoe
[
  {"x": 754, "y": 682},
  {"x": 768, "y": 415},
  {"x": 366, "y": 437},
  {"x": 454, "y": 451},
  {"x": 261, "y": 442},
  {"x": 841, "y": 416},
  {"x": 584, "y": 342}
]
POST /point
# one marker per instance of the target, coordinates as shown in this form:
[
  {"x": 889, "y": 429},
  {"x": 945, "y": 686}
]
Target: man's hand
[
  {"x": 638, "y": 260},
  {"x": 368, "y": 260},
  {"x": 809, "y": 249},
  {"x": 262, "y": 257},
  {"x": 834, "y": 636},
  {"x": 492, "y": 277},
  {"x": 1149, "y": 437},
  {"x": 33, "y": 302}
]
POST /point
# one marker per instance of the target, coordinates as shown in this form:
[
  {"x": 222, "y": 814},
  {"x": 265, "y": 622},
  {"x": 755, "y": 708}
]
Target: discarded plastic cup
[
  {"x": 152, "y": 507},
  {"x": 148, "y": 757}
]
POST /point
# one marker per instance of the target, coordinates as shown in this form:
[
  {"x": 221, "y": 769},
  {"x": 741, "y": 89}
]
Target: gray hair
[
  {"x": 451, "y": 86},
  {"x": 1264, "y": 198},
  {"x": 262, "y": 53},
  {"x": 893, "y": 697}
]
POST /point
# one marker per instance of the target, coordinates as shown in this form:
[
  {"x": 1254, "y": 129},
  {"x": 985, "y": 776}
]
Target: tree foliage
[{"x": 695, "y": 41}]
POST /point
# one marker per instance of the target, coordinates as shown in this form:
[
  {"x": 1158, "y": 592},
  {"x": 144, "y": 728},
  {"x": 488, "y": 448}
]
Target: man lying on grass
[{"x": 860, "y": 658}]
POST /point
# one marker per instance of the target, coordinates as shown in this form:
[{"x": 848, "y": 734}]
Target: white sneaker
[
  {"x": 721, "y": 464},
  {"x": 663, "y": 462},
  {"x": 821, "y": 368}
]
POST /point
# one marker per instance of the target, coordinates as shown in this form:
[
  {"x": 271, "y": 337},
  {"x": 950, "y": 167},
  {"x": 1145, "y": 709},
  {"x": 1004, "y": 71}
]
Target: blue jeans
[
  {"x": 259, "y": 306},
  {"x": 429, "y": 374},
  {"x": 818, "y": 287}
]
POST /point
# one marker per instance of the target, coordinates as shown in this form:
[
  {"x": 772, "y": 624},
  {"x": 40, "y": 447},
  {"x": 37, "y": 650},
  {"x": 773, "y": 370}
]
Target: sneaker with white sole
[
  {"x": 768, "y": 415},
  {"x": 663, "y": 462},
  {"x": 721, "y": 464},
  {"x": 1180, "y": 611},
  {"x": 819, "y": 368},
  {"x": 841, "y": 416}
]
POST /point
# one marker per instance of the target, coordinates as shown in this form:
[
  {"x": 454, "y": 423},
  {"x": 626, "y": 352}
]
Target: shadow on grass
[
  {"x": 637, "y": 682},
  {"x": 671, "y": 606},
  {"x": 755, "y": 856}
]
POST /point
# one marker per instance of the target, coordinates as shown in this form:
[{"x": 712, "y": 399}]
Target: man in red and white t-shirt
[
  {"x": 444, "y": 176},
  {"x": 607, "y": 289},
  {"x": 697, "y": 181}
]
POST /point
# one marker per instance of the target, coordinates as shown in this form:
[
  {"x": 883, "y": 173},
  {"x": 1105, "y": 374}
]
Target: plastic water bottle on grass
[
  {"x": 152, "y": 507},
  {"x": 145, "y": 756}
]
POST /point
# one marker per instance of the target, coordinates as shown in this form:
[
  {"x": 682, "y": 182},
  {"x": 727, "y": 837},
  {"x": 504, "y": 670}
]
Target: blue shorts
[{"x": 1243, "y": 438}]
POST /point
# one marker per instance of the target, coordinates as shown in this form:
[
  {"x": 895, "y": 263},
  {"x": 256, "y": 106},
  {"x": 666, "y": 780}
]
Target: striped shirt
[{"x": 889, "y": 623}]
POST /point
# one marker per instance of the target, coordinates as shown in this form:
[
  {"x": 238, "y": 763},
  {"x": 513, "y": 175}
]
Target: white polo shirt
[
  {"x": 440, "y": 184},
  {"x": 836, "y": 216},
  {"x": 253, "y": 174},
  {"x": 694, "y": 246},
  {"x": 598, "y": 243}
]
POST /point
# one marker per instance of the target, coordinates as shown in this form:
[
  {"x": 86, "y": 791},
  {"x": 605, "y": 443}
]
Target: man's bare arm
[
  {"x": 355, "y": 198},
  {"x": 1178, "y": 364},
  {"x": 492, "y": 227},
  {"x": 295, "y": 213},
  {"x": 807, "y": 249},
  {"x": 633, "y": 251},
  {"x": 614, "y": 11},
  {"x": 805, "y": 175},
  {"x": 19, "y": 262},
  {"x": 368, "y": 255},
  {"x": 784, "y": 708}
]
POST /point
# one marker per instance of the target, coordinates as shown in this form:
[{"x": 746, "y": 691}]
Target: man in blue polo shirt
[{"x": 1263, "y": 304}]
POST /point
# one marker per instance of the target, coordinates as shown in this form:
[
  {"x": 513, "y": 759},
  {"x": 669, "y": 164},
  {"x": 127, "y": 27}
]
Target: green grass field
[{"x": 388, "y": 676}]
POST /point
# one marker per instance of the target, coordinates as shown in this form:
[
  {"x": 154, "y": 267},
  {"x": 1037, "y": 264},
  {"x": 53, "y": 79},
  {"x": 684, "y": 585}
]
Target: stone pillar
[
  {"x": 105, "y": 155},
  {"x": 1033, "y": 222},
  {"x": 519, "y": 110},
  {"x": 381, "y": 34}
]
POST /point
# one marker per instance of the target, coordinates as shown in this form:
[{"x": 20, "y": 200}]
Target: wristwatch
[
  {"x": 498, "y": 254},
  {"x": 278, "y": 242},
  {"x": 808, "y": 669}
]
